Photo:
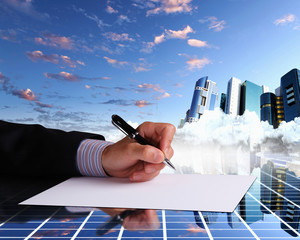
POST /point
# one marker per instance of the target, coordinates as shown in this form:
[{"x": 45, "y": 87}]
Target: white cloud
[
  {"x": 141, "y": 69},
  {"x": 118, "y": 37},
  {"x": 114, "y": 61},
  {"x": 214, "y": 23},
  {"x": 220, "y": 143},
  {"x": 285, "y": 19},
  {"x": 170, "y": 6},
  {"x": 197, "y": 43},
  {"x": 123, "y": 18},
  {"x": 80, "y": 63},
  {"x": 180, "y": 33},
  {"x": 164, "y": 95},
  {"x": 194, "y": 62},
  {"x": 297, "y": 28},
  {"x": 155, "y": 87},
  {"x": 142, "y": 103},
  {"x": 159, "y": 39},
  {"x": 109, "y": 9}
]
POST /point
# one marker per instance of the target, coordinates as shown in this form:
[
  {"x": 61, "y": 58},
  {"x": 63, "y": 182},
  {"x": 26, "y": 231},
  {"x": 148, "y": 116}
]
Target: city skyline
[{"x": 74, "y": 65}]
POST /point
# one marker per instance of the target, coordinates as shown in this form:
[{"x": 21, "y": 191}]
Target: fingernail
[
  {"x": 156, "y": 156},
  {"x": 168, "y": 151}
]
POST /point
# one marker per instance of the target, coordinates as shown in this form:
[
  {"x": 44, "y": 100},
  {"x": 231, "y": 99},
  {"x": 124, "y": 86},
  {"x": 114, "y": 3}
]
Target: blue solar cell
[
  {"x": 14, "y": 232},
  {"x": 43, "y": 233},
  {"x": 92, "y": 233}
]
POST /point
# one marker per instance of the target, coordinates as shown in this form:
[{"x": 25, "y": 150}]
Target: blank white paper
[{"x": 192, "y": 192}]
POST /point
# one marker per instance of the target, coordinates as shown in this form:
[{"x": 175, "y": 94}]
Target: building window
[
  {"x": 289, "y": 89},
  {"x": 290, "y": 95},
  {"x": 291, "y": 101},
  {"x": 203, "y": 101}
]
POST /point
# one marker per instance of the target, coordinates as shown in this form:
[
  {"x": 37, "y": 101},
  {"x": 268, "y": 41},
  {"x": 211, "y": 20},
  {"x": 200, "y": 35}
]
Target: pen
[{"x": 134, "y": 134}]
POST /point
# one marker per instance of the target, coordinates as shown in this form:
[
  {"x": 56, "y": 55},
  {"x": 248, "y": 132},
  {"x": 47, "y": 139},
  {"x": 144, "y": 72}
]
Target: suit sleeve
[{"x": 33, "y": 150}]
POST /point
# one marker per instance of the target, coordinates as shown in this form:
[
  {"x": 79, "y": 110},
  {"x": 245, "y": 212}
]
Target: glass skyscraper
[
  {"x": 232, "y": 105},
  {"x": 268, "y": 108},
  {"x": 223, "y": 101},
  {"x": 279, "y": 106},
  {"x": 250, "y": 98},
  {"x": 205, "y": 98},
  {"x": 291, "y": 212},
  {"x": 291, "y": 94}
]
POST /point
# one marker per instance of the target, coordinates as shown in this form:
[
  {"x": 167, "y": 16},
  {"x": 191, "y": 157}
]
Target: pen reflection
[{"x": 130, "y": 219}]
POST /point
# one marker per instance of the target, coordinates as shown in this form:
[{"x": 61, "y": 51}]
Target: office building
[
  {"x": 291, "y": 94},
  {"x": 290, "y": 212},
  {"x": 273, "y": 182},
  {"x": 266, "y": 180},
  {"x": 268, "y": 108},
  {"x": 279, "y": 106},
  {"x": 205, "y": 97},
  {"x": 250, "y": 97},
  {"x": 223, "y": 101},
  {"x": 232, "y": 105},
  {"x": 250, "y": 210},
  {"x": 279, "y": 187},
  {"x": 265, "y": 89}
]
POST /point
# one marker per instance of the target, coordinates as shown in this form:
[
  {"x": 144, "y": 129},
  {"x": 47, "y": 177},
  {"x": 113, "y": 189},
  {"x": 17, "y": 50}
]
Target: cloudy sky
[{"x": 72, "y": 64}]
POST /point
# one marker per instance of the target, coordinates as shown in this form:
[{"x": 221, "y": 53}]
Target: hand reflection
[
  {"x": 131, "y": 219},
  {"x": 142, "y": 220}
]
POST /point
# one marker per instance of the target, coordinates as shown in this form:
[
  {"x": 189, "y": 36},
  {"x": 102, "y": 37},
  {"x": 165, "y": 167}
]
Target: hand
[
  {"x": 127, "y": 158},
  {"x": 140, "y": 220}
]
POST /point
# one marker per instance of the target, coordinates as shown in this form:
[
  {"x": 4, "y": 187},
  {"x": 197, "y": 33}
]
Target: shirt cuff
[{"x": 89, "y": 157}]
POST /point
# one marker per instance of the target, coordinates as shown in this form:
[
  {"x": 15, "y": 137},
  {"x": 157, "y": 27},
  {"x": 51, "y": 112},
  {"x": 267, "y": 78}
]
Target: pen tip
[{"x": 169, "y": 164}]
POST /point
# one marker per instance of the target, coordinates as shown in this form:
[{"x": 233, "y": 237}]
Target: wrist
[
  {"x": 104, "y": 160},
  {"x": 89, "y": 157}
]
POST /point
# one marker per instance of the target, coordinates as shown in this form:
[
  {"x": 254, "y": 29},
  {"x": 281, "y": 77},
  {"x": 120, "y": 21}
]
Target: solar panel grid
[{"x": 252, "y": 219}]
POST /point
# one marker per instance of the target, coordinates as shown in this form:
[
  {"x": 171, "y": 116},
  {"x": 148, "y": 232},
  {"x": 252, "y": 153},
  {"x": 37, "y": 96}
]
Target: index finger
[
  {"x": 160, "y": 133},
  {"x": 166, "y": 132}
]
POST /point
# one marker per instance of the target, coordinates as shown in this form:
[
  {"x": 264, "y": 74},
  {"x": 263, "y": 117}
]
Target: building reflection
[
  {"x": 280, "y": 192},
  {"x": 290, "y": 209},
  {"x": 272, "y": 179}
]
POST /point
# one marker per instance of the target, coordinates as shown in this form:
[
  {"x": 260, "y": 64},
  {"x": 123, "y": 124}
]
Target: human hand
[
  {"x": 140, "y": 219},
  {"x": 127, "y": 158}
]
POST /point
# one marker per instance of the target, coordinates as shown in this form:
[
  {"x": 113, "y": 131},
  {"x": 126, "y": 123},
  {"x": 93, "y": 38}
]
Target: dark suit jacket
[{"x": 33, "y": 150}]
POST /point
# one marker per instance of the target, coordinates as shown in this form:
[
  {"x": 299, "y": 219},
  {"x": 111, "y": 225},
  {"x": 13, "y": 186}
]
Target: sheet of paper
[{"x": 194, "y": 192}]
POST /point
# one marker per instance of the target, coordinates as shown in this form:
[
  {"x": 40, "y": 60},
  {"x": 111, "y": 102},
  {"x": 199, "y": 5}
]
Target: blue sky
[{"x": 72, "y": 64}]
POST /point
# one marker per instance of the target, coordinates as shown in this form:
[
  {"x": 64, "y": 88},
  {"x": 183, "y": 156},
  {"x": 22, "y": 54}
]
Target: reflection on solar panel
[{"x": 269, "y": 210}]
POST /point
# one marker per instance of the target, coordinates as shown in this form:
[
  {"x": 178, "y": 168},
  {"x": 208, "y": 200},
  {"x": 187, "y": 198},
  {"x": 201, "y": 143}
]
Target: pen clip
[{"x": 116, "y": 125}]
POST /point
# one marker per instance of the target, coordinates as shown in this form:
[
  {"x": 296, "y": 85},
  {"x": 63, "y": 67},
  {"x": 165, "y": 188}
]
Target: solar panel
[{"x": 269, "y": 210}]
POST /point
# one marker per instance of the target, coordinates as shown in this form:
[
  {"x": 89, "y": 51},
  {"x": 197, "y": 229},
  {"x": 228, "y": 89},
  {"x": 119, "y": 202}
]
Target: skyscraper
[
  {"x": 223, "y": 101},
  {"x": 290, "y": 211},
  {"x": 291, "y": 94},
  {"x": 273, "y": 181},
  {"x": 232, "y": 105},
  {"x": 205, "y": 98},
  {"x": 250, "y": 97},
  {"x": 279, "y": 106},
  {"x": 268, "y": 108},
  {"x": 265, "y": 89}
]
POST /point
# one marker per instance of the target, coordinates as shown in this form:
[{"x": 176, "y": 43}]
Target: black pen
[{"x": 134, "y": 134}]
